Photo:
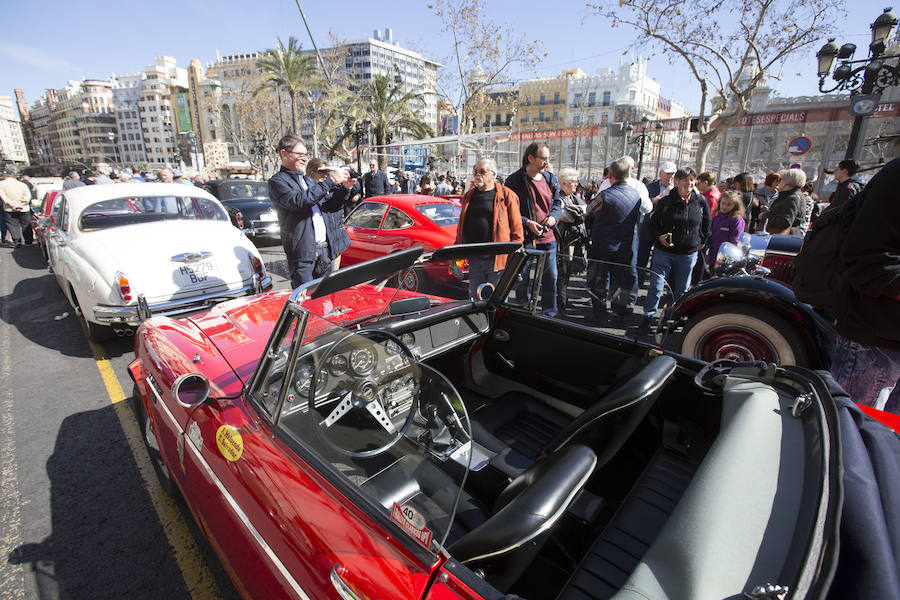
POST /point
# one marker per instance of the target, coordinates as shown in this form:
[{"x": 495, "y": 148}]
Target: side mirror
[
  {"x": 485, "y": 290},
  {"x": 191, "y": 390}
]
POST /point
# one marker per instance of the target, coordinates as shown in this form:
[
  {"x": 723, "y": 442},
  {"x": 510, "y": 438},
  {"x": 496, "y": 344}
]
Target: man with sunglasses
[
  {"x": 309, "y": 212},
  {"x": 541, "y": 207},
  {"x": 489, "y": 213}
]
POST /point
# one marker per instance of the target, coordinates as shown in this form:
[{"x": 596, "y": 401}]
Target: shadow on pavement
[
  {"x": 29, "y": 257},
  {"x": 107, "y": 540},
  {"x": 36, "y": 308}
]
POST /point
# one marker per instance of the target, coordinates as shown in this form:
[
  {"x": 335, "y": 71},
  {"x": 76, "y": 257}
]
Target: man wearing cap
[
  {"x": 16, "y": 199},
  {"x": 656, "y": 190}
]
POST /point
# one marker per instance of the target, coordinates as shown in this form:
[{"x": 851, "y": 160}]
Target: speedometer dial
[{"x": 362, "y": 361}]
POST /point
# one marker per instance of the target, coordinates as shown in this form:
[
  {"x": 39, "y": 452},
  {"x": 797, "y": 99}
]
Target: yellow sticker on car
[{"x": 230, "y": 443}]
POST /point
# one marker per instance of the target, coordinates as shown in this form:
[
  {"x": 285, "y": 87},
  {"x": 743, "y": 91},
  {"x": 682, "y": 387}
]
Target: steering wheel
[{"x": 360, "y": 397}]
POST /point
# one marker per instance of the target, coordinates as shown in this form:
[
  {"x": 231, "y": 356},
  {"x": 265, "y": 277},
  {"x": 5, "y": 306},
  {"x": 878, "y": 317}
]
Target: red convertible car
[
  {"x": 352, "y": 440},
  {"x": 385, "y": 224}
]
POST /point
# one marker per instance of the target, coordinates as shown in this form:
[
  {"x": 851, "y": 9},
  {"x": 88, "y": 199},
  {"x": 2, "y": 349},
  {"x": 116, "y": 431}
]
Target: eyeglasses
[
  {"x": 298, "y": 154},
  {"x": 482, "y": 171},
  {"x": 543, "y": 158}
]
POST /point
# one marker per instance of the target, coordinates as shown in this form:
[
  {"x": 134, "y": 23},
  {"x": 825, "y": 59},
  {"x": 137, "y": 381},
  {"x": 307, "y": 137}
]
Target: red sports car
[
  {"x": 45, "y": 218},
  {"x": 385, "y": 224},
  {"x": 352, "y": 440}
]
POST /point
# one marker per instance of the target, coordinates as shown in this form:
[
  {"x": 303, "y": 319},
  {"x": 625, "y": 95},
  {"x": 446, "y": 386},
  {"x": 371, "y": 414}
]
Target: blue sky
[{"x": 50, "y": 42}]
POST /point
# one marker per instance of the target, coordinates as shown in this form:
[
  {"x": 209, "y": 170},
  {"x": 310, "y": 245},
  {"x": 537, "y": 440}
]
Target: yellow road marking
[{"x": 197, "y": 578}]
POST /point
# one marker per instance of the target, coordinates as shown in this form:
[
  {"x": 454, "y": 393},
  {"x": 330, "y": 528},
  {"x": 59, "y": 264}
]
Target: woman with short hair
[
  {"x": 785, "y": 214},
  {"x": 572, "y": 234}
]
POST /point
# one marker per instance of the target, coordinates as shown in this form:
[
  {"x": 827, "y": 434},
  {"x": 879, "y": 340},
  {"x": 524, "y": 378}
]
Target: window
[
  {"x": 131, "y": 210},
  {"x": 555, "y": 115},
  {"x": 367, "y": 215},
  {"x": 578, "y": 99},
  {"x": 592, "y": 98},
  {"x": 543, "y": 99},
  {"x": 396, "y": 219},
  {"x": 541, "y": 115},
  {"x": 556, "y": 98},
  {"x": 442, "y": 214},
  {"x": 606, "y": 98}
]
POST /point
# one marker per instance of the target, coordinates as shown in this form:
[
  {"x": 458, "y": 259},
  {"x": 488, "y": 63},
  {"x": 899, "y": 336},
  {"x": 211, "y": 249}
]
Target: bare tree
[
  {"x": 243, "y": 112},
  {"x": 482, "y": 55},
  {"x": 729, "y": 46}
]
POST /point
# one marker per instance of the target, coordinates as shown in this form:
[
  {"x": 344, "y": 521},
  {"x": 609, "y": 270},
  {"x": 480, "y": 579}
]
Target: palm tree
[
  {"x": 387, "y": 106},
  {"x": 286, "y": 67}
]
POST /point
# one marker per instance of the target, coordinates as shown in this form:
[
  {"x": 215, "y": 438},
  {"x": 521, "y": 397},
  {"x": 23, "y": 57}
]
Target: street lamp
[
  {"x": 112, "y": 140},
  {"x": 642, "y": 137},
  {"x": 259, "y": 149},
  {"x": 360, "y": 136},
  {"x": 626, "y": 132},
  {"x": 865, "y": 79}
]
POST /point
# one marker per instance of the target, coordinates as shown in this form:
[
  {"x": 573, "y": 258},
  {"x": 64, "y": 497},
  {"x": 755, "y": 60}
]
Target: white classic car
[{"x": 124, "y": 252}]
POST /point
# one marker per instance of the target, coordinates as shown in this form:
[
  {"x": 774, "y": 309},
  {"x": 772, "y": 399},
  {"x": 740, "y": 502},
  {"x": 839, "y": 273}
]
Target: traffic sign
[
  {"x": 799, "y": 146},
  {"x": 796, "y": 166}
]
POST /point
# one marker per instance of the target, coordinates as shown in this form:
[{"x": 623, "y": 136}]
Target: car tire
[
  {"x": 413, "y": 280},
  {"x": 149, "y": 437},
  {"x": 743, "y": 332},
  {"x": 95, "y": 332}
]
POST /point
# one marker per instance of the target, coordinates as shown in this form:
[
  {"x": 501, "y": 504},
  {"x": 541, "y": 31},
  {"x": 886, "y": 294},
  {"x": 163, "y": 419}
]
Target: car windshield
[
  {"x": 243, "y": 189},
  {"x": 130, "y": 210},
  {"x": 442, "y": 214},
  {"x": 362, "y": 403}
]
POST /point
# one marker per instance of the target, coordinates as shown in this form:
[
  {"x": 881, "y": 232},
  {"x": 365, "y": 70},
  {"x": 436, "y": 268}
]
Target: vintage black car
[
  {"x": 248, "y": 206},
  {"x": 751, "y": 313}
]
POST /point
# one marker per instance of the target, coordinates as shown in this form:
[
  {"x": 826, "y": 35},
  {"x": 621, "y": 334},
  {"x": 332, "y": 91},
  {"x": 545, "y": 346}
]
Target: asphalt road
[{"x": 81, "y": 512}]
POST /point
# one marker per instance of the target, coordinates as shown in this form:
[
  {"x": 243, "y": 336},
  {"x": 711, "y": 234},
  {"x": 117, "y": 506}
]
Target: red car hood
[{"x": 240, "y": 328}]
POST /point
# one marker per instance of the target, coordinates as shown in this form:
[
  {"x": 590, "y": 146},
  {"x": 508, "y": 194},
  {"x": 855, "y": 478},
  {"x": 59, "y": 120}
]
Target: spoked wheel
[{"x": 742, "y": 333}]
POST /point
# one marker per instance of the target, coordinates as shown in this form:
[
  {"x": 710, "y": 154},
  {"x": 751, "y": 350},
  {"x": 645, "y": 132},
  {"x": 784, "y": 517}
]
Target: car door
[
  {"x": 362, "y": 226},
  {"x": 279, "y": 524},
  {"x": 395, "y": 232}
]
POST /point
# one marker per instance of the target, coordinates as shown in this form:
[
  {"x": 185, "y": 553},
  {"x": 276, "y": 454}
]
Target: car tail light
[
  {"x": 258, "y": 267},
  {"x": 239, "y": 218},
  {"x": 123, "y": 286}
]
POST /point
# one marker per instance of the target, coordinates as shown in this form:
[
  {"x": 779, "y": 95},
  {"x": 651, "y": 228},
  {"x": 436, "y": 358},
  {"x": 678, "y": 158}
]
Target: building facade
[
  {"x": 12, "y": 139},
  {"x": 83, "y": 117},
  {"x": 126, "y": 93},
  {"x": 157, "y": 108}
]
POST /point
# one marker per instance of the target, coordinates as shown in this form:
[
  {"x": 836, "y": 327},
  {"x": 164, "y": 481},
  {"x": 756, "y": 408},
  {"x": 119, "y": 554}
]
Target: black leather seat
[
  {"x": 501, "y": 542},
  {"x": 521, "y": 429},
  {"x": 632, "y": 530}
]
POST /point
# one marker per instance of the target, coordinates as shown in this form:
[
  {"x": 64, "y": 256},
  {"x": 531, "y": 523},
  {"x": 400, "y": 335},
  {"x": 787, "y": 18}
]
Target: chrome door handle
[{"x": 342, "y": 588}]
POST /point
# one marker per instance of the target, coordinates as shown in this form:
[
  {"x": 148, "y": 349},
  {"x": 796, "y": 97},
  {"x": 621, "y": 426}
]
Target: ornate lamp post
[
  {"x": 259, "y": 149},
  {"x": 360, "y": 136},
  {"x": 112, "y": 140},
  {"x": 865, "y": 79}
]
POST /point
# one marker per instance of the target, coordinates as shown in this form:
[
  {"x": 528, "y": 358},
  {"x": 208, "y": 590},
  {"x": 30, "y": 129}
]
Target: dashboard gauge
[
  {"x": 337, "y": 365},
  {"x": 408, "y": 339},
  {"x": 303, "y": 378},
  {"x": 362, "y": 361}
]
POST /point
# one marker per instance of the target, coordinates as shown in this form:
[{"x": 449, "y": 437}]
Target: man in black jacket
[
  {"x": 679, "y": 226},
  {"x": 541, "y": 207},
  {"x": 375, "y": 181},
  {"x": 310, "y": 212},
  {"x": 866, "y": 359}
]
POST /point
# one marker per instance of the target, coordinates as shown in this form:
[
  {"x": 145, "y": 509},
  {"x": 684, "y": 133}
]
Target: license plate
[
  {"x": 195, "y": 273},
  {"x": 268, "y": 217}
]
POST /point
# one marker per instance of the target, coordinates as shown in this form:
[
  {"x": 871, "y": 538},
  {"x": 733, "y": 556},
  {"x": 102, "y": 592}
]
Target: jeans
[
  {"x": 548, "y": 281},
  {"x": 674, "y": 269},
  {"x": 301, "y": 271},
  {"x": 614, "y": 271},
  {"x": 871, "y": 375},
  {"x": 644, "y": 242},
  {"x": 19, "y": 224},
  {"x": 481, "y": 270}
]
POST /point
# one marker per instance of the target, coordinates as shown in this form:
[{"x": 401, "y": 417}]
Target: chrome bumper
[
  {"x": 263, "y": 228},
  {"x": 134, "y": 314}
]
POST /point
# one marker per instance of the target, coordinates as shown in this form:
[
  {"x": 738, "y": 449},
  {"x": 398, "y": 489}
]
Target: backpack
[{"x": 817, "y": 266}]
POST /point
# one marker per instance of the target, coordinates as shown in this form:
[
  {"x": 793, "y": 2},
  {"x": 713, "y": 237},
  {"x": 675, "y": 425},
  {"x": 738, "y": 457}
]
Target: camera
[{"x": 354, "y": 174}]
